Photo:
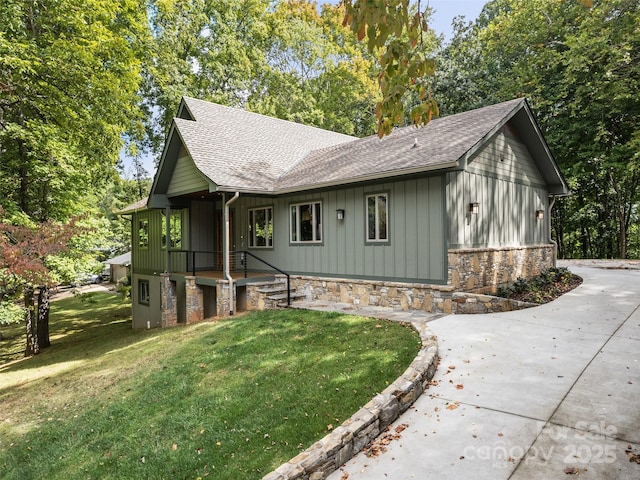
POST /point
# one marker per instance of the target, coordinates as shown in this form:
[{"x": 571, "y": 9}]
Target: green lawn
[{"x": 226, "y": 400}]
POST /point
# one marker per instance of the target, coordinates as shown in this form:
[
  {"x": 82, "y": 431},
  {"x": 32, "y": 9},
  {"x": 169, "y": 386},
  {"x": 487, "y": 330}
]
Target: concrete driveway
[{"x": 542, "y": 393}]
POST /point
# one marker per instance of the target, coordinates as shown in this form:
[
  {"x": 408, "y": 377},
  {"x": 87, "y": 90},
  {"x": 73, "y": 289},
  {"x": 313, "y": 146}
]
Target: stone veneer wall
[
  {"x": 363, "y": 293},
  {"x": 168, "y": 301},
  {"x": 330, "y": 453},
  {"x": 470, "y": 270},
  {"x": 484, "y": 270}
]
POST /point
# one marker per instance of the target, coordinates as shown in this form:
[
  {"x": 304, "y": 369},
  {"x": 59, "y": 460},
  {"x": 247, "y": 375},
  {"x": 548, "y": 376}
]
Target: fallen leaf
[
  {"x": 452, "y": 367},
  {"x": 459, "y": 386},
  {"x": 453, "y": 406},
  {"x": 501, "y": 434},
  {"x": 174, "y": 447}
]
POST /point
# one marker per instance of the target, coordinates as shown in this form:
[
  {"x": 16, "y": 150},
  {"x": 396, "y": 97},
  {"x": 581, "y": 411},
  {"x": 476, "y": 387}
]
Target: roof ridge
[{"x": 261, "y": 115}]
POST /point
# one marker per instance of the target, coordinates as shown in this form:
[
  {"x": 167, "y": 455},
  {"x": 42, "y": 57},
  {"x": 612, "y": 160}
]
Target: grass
[{"x": 229, "y": 400}]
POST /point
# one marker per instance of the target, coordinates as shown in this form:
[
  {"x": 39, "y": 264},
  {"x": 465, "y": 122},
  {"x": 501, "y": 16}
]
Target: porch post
[
  {"x": 169, "y": 301},
  {"x": 167, "y": 232}
]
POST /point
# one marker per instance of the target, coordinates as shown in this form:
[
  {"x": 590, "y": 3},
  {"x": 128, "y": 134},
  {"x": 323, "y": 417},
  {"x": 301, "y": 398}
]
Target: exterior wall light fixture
[
  {"x": 474, "y": 208},
  {"x": 539, "y": 214},
  {"x": 340, "y": 214}
]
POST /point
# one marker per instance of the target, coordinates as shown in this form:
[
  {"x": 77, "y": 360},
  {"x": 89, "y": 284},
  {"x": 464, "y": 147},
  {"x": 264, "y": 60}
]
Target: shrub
[{"x": 10, "y": 313}]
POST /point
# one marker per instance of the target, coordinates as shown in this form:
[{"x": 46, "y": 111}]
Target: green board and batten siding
[
  {"x": 415, "y": 252},
  {"x": 153, "y": 259},
  {"x": 186, "y": 177},
  {"x": 504, "y": 180}
]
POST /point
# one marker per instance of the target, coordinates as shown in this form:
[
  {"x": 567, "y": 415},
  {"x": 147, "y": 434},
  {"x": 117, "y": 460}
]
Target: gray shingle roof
[
  {"x": 134, "y": 207},
  {"x": 251, "y": 153},
  {"x": 245, "y": 151},
  {"x": 439, "y": 144}
]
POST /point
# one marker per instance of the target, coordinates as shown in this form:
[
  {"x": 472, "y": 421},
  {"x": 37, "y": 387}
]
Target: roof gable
[{"x": 240, "y": 150}]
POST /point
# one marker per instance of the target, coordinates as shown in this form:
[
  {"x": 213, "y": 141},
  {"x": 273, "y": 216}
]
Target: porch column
[
  {"x": 194, "y": 301},
  {"x": 168, "y": 301},
  {"x": 167, "y": 233}
]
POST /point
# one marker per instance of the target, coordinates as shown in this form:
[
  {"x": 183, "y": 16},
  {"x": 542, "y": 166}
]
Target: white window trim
[
  {"x": 252, "y": 231},
  {"x": 377, "y": 238},
  {"x": 315, "y": 228}
]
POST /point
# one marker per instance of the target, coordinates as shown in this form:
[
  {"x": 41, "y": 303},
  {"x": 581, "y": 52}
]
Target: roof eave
[{"x": 368, "y": 178}]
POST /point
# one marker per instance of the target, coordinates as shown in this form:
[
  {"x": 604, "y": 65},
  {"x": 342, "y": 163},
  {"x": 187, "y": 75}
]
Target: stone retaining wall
[
  {"x": 483, "y": 270},
  {"x": 471, "y": 303},
  {"x": 327, "y": 455}
]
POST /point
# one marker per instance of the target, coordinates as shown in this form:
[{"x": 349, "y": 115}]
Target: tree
[
  {"x": 578, "y": 63},
  {"x": 69, "y": 77},
  {"x": 210, "y": 49},
  {"x": 393, "y": 31},
  {"x": 24, "y": 251},
  {"x": 317, "y": 72}
]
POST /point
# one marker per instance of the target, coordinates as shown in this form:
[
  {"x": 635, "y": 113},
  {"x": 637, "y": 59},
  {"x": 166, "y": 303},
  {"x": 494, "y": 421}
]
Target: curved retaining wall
[{"x": 335, "y": 449}]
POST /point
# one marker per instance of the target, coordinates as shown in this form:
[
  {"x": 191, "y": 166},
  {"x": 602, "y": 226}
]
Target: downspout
[
  {"x": 227, "y": 270},
  {"x": 551, "y": 240}
]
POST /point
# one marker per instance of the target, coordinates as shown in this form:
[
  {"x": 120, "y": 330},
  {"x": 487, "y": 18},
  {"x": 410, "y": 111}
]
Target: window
[
  {"x": 143, "y": 232},
  {"x": 377, "y": 214},
  {"x": 143, "y": 292},
  {"x": 261, "y": 227},
  {"x": 306, "y": 222},
  {"x": 175, "y": 230}
]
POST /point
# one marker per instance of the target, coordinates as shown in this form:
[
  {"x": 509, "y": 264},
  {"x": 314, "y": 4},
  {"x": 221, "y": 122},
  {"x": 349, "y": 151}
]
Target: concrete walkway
[{"x": 540, "y": 393}]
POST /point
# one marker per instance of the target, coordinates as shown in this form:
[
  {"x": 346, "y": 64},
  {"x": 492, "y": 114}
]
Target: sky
[{"x": 444, "y": 12}]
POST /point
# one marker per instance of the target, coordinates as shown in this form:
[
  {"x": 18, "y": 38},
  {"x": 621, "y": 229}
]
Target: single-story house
[
  {"x": 118, "y": 267},
  {"x": 462, "y": 204}
]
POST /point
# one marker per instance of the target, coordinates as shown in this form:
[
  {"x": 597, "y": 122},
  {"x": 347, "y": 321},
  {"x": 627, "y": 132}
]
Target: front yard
[{"x": 229, "y": 400}]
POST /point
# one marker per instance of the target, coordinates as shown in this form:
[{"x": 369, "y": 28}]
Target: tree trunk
[
  {"x": 33, "y": 346},
  {"x": 43, "y": 318}
]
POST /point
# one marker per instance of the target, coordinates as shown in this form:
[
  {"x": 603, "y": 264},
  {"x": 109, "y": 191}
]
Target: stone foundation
[
  {"x": 194, "y": 301},
  {"x": 168, "y": 301},
  {"x": 478, "y": 271},
  {"x": 403, "y": 296},
  {"x": 484, "y": 270},
  {"x": 224, "y": 303}
]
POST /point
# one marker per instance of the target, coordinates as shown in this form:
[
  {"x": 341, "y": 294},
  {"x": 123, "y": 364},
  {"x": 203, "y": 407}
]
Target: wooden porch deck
[{"x": 211, "y": 276}]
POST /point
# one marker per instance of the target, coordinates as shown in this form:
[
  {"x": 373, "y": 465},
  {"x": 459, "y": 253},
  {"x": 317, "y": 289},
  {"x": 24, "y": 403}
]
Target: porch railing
[{"x": 206, "y": 260}]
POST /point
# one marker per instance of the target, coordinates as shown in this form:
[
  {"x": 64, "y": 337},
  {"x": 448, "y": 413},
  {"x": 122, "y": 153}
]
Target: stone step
[
  {"x": 274, "y": 288},
  {"x": 283, "y": 296}
]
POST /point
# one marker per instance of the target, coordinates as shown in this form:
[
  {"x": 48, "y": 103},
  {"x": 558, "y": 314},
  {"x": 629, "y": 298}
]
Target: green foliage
[
  {"x": 11, "y": 313},
  {"x": 123, "y": 287},
  {"x": 578, "y": 62},
  {"x": 540, "y": 288},
  {"x": 232, "y": 399},
  {"x": 68, "y": 91},
  {"x": 393, "y": 31}
]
